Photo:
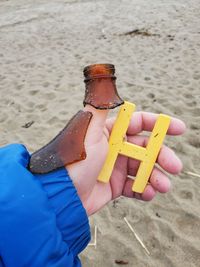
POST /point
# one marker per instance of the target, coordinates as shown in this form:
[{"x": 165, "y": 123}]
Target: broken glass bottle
[
  {"x": 101, "y": 91},
  {"x": 66, "y": 148}
]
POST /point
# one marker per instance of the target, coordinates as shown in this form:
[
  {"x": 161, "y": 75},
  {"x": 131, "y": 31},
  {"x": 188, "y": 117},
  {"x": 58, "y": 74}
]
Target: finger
[
  {"x": 167, "y": 159},
  {"x": 127, "y": 190},
  {"x": 148, "y": 194},
  {"x": 118, "y": 176},
  {"x": 96, "y": 127},
  {"x": 145, "y": 121},
  {"x": 159, "y": 181}
]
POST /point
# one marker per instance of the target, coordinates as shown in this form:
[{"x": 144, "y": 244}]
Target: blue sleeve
[
  {"x": 71, "y": 217},
  {"x": 42, "y": 221}
]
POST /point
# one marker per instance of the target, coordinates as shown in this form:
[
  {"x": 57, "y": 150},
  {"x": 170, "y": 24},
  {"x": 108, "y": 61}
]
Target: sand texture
[{"x": 155, "y": 46}]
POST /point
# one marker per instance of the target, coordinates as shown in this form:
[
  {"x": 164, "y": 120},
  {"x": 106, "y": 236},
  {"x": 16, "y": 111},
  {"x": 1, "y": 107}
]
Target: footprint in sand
[
  {"x": 185, "y": 194},
  {"x": 33, "y": 92},
  {"x": 50, "y": 96},
  {"x": 187, "y": 222},
  {"x": 194, "y": 140}
]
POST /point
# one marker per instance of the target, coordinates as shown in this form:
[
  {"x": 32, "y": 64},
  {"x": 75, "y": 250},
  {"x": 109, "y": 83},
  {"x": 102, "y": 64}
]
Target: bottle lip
[{"x": 99, "y": 70}]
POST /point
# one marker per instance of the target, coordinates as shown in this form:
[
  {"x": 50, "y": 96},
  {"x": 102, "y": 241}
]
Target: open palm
[{"x": 94, "y": 194}]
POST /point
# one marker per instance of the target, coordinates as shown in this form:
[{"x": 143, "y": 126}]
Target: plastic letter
[{"x": 147, "y": 155}]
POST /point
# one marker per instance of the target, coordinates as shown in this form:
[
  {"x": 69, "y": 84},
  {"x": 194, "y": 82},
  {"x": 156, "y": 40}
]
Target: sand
[{"x": 44, "y": 46}]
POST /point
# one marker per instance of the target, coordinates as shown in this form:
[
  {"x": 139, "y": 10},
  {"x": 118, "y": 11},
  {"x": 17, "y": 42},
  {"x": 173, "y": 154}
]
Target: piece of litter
[
  {"x": 136, "y": 236},
  {"x": 193, "y": 174},
  {"x": 94, "y": 244},
  {"x": 28, "y": 124},
  {"x": 141, "y": 32},
  {"x": 121, "y": 262}
]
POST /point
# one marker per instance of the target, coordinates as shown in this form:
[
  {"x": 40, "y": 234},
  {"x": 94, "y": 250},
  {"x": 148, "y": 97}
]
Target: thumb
[{"x": 96, "y": 127}]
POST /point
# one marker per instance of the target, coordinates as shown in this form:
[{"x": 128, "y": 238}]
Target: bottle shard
[
  {"x": 66, "y": 148},
  {"x": 101, "y": 91}
]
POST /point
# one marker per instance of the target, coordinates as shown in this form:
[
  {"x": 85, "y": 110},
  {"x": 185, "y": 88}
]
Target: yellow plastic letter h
[{"x": 147, "y": 156}]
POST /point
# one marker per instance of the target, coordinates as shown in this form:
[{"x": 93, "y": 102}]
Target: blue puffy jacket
[{"x": 42, "y": 220}]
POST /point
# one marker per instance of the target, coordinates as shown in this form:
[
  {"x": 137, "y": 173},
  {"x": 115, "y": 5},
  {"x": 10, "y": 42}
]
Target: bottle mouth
[
  {"x": 99, "y": 71},
  {"x": 101, "y": 94}
]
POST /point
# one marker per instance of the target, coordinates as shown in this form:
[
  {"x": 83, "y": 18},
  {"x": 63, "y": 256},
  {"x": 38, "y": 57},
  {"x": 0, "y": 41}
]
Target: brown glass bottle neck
[
  {"x": 101, "y": 91},
  {"x": 99, "y": 77}
]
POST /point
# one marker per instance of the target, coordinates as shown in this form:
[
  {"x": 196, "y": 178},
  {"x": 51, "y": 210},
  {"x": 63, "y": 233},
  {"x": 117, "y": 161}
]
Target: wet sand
[{"x": 155, "y": 47}]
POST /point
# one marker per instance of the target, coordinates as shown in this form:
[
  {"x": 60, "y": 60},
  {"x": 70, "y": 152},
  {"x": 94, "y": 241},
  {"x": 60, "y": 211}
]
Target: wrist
[{"x": 71, "y": 216}]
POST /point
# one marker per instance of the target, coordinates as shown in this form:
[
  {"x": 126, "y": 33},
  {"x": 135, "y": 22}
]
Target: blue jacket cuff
[{"x": 72, "y": 219}]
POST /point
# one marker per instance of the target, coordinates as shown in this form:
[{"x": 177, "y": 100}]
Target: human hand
[{"x": 84, "y": 174}]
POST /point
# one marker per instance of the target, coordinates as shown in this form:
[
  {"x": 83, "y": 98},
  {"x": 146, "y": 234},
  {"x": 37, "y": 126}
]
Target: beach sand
[{"x": 44, "y": 46}]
